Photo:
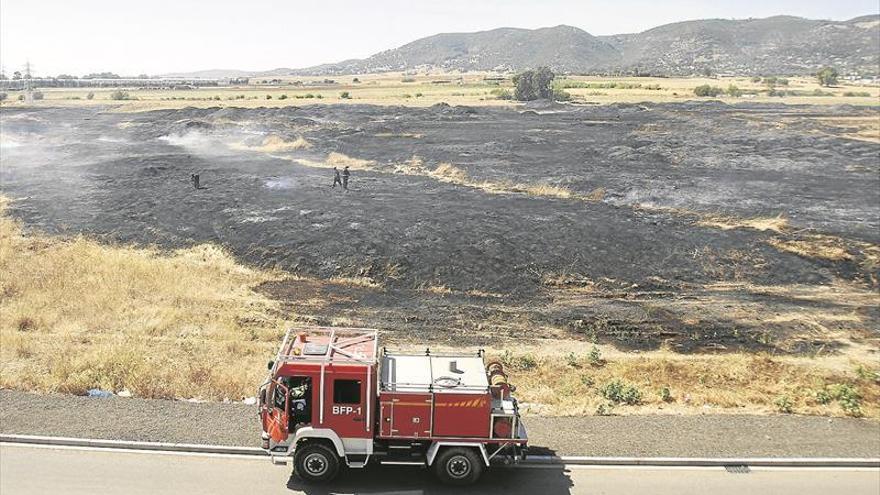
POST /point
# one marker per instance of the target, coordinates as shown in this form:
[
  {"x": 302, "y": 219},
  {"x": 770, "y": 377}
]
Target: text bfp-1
[{"x": 345, "y": 410}]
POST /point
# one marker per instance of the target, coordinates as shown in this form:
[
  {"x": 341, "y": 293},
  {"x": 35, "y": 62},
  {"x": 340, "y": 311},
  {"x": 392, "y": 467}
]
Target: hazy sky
[{"x": 156, "y": 36}]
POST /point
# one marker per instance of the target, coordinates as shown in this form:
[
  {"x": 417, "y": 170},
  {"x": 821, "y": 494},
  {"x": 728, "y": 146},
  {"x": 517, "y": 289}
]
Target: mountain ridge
[{"x": 779, "y": 44}]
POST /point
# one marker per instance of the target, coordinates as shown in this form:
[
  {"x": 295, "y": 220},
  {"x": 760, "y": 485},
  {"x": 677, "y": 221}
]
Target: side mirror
[{"x": 270, "y": 365}]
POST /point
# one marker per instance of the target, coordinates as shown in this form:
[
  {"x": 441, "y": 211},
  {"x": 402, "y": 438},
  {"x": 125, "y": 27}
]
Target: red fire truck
[{"x": 333, "y": 398}]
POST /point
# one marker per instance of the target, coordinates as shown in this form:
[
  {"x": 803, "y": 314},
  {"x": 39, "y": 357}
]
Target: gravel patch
[{"x": 641, "y": 436}]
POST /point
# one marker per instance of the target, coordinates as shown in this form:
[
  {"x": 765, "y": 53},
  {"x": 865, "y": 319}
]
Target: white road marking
[
  {"x": 594, "y": 467},
  {"x": 135, "y": 451}
]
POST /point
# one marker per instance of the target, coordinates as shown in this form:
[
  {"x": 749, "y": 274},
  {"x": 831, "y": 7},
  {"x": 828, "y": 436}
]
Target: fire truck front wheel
[
  {"x": 315, "y": 463},
  {"x": 458, "y": 466}
]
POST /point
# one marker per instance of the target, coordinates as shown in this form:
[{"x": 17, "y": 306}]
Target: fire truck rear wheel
[
  {"x": 315, "y": 463},
  {"x": 458, "y": 466}
]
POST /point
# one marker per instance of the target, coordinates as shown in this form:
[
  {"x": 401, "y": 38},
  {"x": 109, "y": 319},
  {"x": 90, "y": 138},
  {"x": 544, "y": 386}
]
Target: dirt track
[{"x": 454, "y": 260}]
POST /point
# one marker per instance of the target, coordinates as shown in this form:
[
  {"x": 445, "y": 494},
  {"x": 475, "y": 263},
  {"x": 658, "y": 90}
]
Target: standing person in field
[
  {"x": 336, "y": 178},
  {"x": 345, "y": 175}
]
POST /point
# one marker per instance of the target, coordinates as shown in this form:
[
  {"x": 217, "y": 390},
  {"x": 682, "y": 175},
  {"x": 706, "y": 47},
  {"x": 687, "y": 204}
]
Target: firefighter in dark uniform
[
  {"x": 336, "y": 178},
  {"x": 345, "y": 175}
]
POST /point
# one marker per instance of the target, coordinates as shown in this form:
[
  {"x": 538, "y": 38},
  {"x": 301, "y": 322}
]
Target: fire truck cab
[{"x": 332, "y": 398}]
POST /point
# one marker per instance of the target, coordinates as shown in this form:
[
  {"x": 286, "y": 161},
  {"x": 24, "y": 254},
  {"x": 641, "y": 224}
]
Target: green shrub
[
  {"x": 345, "y": 95},
  {"x": 408, "y": 80},
  {"x": 37, "y": 95},
  {"x": 605, "y": 409},
  {"x": 419, "y": 95},
  {"x": 501, "y": 94},
  {"x": 268, "y": 97},
  {"x": 823, "y": 397},
  {"x": 707, "y": 90},
  {"x": 20, "y": 97},
  {"x": 587, "y": 381},
  {"x": 572, "y": 361},
  {"x": 734, "y": 91},
  {"x": 756, "y": 79},
  {"x": 534, "y": 84},
  {"x": 526, "y": 362},
  {"x": 846, "y": 395},
  {"x": 595, "y": 357},
  {"x": 561, "y": 95},
  {"x": 849, "y": 398},
  {"x": 308, "y": 96},
  {"x": 665, "y": 394},
  {"x": 619, "y": 392},
  {"x": 866, "y": 373},
  {"x": 653, "y": 87},
  {"x": 90, "y": 96},
  {"x": 855, "y": 93},
  {"x": 120, "y": 95},
  {"x": 355, "y": 80},
  {"x": 282, "y": 97},
  {"x": 827, "y": 76},
  {"x": 775, "y": 81},
  {"x": 784, "y": 404}
]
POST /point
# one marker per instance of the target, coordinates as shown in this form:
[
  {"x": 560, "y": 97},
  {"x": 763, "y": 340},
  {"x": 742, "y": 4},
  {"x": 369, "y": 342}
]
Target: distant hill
[
  {"x": 564, "y": 47},
  {"x": 210, "y": 74},
  {"x": 781, "y": 44},
  {"x": 774, "y": 45}
]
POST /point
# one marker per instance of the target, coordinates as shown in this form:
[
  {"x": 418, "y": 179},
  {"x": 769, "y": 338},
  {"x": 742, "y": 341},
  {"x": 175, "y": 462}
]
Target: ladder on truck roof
[{"x": 336, "y": 339}]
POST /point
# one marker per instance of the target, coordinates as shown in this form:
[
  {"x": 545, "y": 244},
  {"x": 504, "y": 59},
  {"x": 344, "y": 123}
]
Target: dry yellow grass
[
  {"x": 776, "y": 224},
  {"x": 816, "y": 246},
  {"x": 355, "y": 281},
  {"x": 547, "y": 190},
  {"x": 76, "y": 315},
  {"x": 860, "y": 128},
  {"x": 339, "y": 160},
  {"x": 437, "y": 290},
  {"x": 446, "y": 172},
  {"x": 276, "y": 143},
  {"x": 413, "y": 166},
  {"x": 597, "y": 194},
  {"x": 559, "y": 384}
]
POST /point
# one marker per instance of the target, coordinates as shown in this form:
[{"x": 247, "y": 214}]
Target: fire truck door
[
  {"x": 347, "y": 406},
  {"x": 273, "y": 411}
]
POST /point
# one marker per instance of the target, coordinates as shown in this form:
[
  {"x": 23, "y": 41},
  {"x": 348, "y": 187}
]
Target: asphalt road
[{"x": 37, "y": 470}]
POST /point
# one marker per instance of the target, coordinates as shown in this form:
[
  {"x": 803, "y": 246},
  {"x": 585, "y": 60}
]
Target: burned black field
[{"x": 695, "y": 226}]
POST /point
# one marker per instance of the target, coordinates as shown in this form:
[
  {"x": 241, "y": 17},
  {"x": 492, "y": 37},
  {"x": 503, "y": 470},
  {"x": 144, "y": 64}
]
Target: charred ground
[{"x": 621, "y": 223}]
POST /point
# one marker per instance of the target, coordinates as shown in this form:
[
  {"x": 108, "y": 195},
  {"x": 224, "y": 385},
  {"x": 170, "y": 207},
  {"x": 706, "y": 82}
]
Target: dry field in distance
[{"x": 455, "y": 89}]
